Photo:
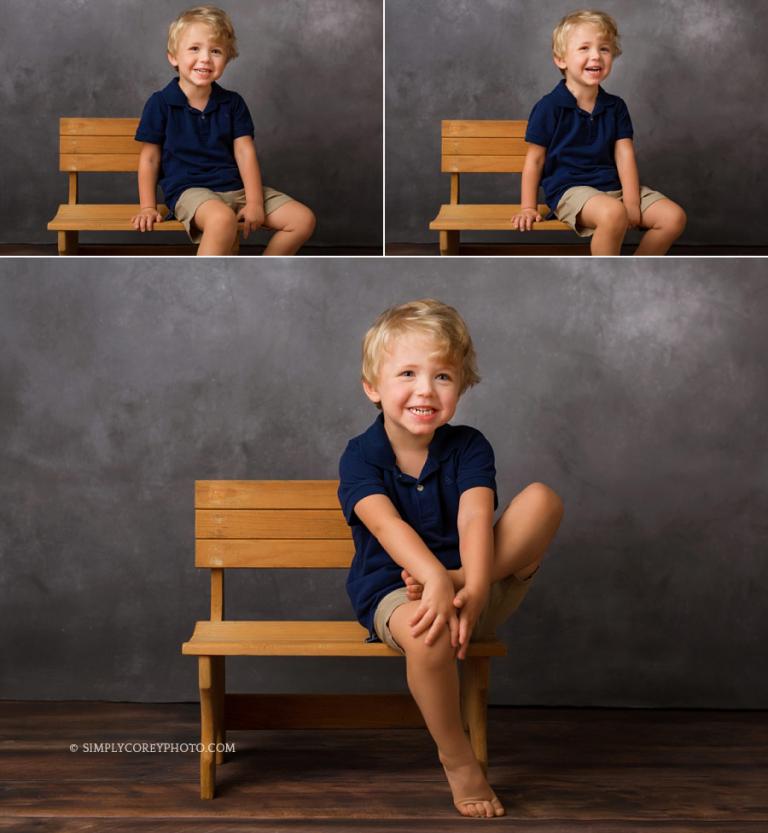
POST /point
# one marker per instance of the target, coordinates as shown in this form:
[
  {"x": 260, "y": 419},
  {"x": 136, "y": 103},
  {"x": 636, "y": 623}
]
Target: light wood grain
[
  {"x": 266, "y": 494},
  {"x": 482, "y": 164},
  {"x": 495, "y": 217},
  {"x": 298, "y": 638},
  {"x": 452, "y": 146},
  {"x": 270, "y": 523},
  {"x": 81, "y": 126},
  {"x": 275, "y": 553},
  {"x": 98, "y": 145},
  {"x": 489, "y": 128}
]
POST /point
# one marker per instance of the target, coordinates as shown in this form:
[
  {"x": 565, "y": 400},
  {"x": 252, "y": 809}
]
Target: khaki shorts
[
  {"x": 504, "y": 598},
  {"x": 574, "y": 199},
  {"x": 191, "y": 199}
]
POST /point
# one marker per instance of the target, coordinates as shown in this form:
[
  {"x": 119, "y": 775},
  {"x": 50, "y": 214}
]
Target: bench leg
[
  {"x": 219, "y": 693},
  {"x": 207, "y": 731},
  {"x": 67, "y": 242},
  {"x": 474, "y": 705},
  {"x": 449, "y": 242}
]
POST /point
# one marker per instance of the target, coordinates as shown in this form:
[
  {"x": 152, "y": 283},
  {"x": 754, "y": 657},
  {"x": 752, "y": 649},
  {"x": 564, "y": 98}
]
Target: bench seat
[
  {"x": 103, "y": 217},
  {"x": 496, "y": 217},
  {"x": 302, "y": 638}
]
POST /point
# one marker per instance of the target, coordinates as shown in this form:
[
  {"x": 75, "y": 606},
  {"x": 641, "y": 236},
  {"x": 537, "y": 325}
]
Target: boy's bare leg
[
  {"x": 293, "y": 224},
  {"x": 434, "y": 683},
  {"x": 608, "y": 217},
  {"x": 665, "y": 221},
  {"x": 521, "y": 537},
  {"x": 218, "y": 224},
  {"x": 524, "y": 532}
]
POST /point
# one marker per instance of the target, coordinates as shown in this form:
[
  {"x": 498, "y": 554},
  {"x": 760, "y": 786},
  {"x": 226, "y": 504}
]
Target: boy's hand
[
  {"x": 436, "y": 610},
  {"x": 524, "y": 220},
  {"x": 252, "y": 216},
  {"x": 146, "y": 218},
  {"x": 470, "y": 604},
  {"x": 633, "y": 215}
]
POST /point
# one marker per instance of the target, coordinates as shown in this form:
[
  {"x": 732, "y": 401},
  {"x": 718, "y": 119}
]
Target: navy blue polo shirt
[
  {"x": 580, "y": 145},
  {"x": 197, "y": 146},
  {"x": 458, "y": 458}
]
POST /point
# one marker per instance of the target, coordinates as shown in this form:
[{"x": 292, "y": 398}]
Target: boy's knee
[
  {"x": 435, "y": 655},
  {"x": 678, "y": 219},
  {"x": 305, "y": 221},
  {"x": 217, "y": 219},
  {"x": 613, "y": 216},
  {"x": 546, "y": 499}
]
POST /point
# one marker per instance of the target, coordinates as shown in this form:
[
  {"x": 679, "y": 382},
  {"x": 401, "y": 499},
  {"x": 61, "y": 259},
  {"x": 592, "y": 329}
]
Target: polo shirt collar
[
  {"x": 174, "y": 95},
  {"x": 565, "y": 98},
  {"x": 377, "y": 448}
]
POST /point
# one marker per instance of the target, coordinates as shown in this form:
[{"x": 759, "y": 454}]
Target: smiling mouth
[
  {"x": 594, "y": 70},
  {"x": 422, "y": 411}
]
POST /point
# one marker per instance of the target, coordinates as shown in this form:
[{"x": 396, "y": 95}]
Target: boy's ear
[
  {"x": 371, "y": 393},
  {"x": 559, "y": 62},
  {"x": 172, "y": 60}
]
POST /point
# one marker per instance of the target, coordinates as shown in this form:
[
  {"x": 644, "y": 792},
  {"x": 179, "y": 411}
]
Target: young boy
[
  {"x": 431, "y": 570},
  {"x": 198, "y": 138},
  {"x": 580, "y": 138}
]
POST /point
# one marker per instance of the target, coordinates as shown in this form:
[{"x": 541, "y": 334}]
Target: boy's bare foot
[
  {"x": 472, "y": 794},
  {"x": 414, "y": 589}
]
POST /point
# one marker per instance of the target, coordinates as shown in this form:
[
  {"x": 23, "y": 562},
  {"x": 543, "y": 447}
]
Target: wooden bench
[
  {"x": 106, "y": 145},
  {"x": 293, "y": 524},
  {"x": 481, "y": 147}
]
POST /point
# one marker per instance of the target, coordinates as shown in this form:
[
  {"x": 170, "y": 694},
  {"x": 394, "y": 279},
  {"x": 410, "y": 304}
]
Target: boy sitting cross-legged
[
  {"x": 198, "y": 139},
  {"x": 431, "y": 569},
  {"x": 580, "y": 149}
]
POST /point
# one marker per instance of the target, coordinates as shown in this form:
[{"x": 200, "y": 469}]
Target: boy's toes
[{"x": 480, "y": 809}]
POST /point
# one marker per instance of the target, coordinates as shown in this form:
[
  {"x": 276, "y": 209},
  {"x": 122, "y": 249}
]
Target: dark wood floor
[
  {"x": 557, "y": 770},
  {"x": 171, "y": 250},
  {"x": 563, "y": 250}
]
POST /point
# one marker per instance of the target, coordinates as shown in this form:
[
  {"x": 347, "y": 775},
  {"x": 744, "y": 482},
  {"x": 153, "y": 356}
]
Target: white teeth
[{"x": 421, "y": 410}]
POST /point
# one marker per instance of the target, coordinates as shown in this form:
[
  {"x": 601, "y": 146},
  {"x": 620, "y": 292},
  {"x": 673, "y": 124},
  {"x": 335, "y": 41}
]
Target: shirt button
[{"x": 419, "y": 487}]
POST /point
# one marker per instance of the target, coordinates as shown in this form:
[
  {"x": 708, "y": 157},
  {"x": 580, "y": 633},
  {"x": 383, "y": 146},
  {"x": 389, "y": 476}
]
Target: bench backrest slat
[
  {"x": 270, "y": 524},
  {"x": 98, "y": 145},
  {"x": 472, "y": 146}
]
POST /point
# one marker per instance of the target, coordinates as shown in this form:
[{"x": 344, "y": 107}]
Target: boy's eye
[
  {"x": 444, "y": 377},
  {"x": 407, "y": 373}
]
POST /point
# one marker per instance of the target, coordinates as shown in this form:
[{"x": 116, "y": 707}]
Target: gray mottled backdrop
[
  {"x": 637, "y": 390},
  {"x": 310, "y": 71},
  {"x": 692, "y": 74}
]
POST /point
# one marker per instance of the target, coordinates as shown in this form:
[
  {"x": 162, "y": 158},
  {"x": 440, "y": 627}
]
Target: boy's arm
[
  {"x": 529, "y": 189},
  {"x": 475, "y": 525},
  {"x": 149, "y": 168},
  {"x": 252, "y": 213},
  {"x": 406, "y": 548},
  {"x": 626, "y": 165}
]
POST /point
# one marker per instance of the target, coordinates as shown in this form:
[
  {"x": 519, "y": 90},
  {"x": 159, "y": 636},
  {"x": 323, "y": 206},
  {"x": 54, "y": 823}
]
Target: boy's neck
[
  {"x": 410, "y": 452},
  {"x": 586, "y": 97},
  {"x": 197, "y": 97}
]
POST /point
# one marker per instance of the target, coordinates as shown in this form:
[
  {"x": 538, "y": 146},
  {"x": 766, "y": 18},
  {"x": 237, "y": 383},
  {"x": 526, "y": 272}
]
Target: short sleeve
[
  {"x": 242, "y": 123},
  {"x": 541, "y": 124},
  {"x": 623, "y": 122},
  {"x": 153, "y": 121},
  {"x": 476, "y": 466},
  {"x": 357, "y": 479}
]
